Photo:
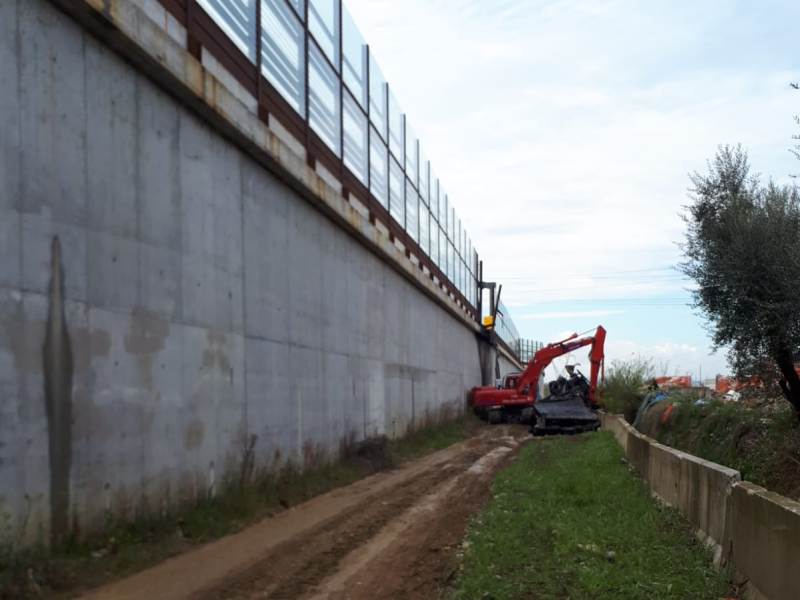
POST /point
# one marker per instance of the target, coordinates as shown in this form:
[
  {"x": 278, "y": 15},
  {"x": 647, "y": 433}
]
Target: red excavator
[{"x": 569, "y": 408}]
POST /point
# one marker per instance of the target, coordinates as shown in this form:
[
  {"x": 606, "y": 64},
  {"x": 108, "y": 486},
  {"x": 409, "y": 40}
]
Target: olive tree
[{"x": 743, "y": 251}]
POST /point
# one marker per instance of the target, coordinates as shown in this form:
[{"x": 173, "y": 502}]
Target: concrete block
[
  {"x": 423, "y": 399},
  {"x": 227, "y": 206},
  {"x": 159, "y": 280},
  {"x": 22, "y": 336},
  {"x": 306, "y": 295},
  {"x": 376, "y": 404},
  {"x": 16, "y": 359},
  {"x": 399, "y": 383},
  {"x": 266, "y": 254},
  {"x": 395, "y": 311},
  {"x": 198, "y": 290},
  {"x": 765, "y": 541},
  {"x": 156, "y": 345},
  {"x": 113, "y": 270},
  {"x": 336, "y": 274},
  {"x": 616, "y": 424},
  {"x": 336, "y": 390},
  {"x": 10, "y": 249},
  {"x": 357, "y": 401},
  {"x": 10, "y": 156},
  {"x": 110, "y": 426},
  {"x": 214, "y": 417},
  {"x": 37, "y": 236},
  {"x": 197, "y": 188},
  {"x": 639, "y": 454},
  {"x": 305, "y": 388},
  {"x": 271, "y": 413},
  {"x": 25, "y": 425},
  {"x": 355, "y": 306},
  {"x": 52, "y": 114},
  {"x": 158, "y": 163},
  {"x": 211, "y": 195},
  {"x": 111, "y": 141},
  {"x": 211, "y": 296},
  {"x": 422, "y": 334},
  {"x": 375, "y": 277}
]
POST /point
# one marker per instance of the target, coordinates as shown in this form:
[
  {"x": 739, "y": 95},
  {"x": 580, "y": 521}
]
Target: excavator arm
[
  {"x": 529, "y": 379},
  {"x": 597, "y": 360}
]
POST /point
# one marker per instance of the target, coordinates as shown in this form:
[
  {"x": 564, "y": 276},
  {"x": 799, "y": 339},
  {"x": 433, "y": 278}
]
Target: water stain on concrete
[
  {"x": 58, "y": 375},
  {"x": 215, "y": 355},
  {"x": 194, "y": 434},
  {"x": 89, "y": 343},
  {"x": 21, "y": 335},
  {"x": 19, "y": 332},
  {"x": 147, "y": 332}
]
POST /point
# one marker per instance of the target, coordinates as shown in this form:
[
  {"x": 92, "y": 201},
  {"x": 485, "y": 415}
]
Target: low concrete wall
[
  {"x": 765, "y": 541},
  {"x": 756, "y": 530}
]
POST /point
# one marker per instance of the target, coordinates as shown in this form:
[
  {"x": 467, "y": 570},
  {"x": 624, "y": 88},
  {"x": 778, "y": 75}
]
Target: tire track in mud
[
  {"x": 400, "y": 543},
  {"x": 295, "y": 567},
  {"x": 391, "y": 535},
  {"x": 414, "y": 555}
]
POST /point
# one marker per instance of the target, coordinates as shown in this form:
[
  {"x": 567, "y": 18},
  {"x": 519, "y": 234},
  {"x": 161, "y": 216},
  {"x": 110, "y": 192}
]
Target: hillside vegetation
[
  {"x": 758, "y": 436},
  {"x": 760, "y": 441}
]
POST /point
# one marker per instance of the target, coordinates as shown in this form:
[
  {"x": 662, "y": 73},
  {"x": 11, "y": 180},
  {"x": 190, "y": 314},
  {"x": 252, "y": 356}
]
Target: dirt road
[{"x": 392, "y": 535}]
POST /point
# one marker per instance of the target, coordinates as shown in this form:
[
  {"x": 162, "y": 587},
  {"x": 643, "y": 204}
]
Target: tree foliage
[{"x": 743, "y": 251}]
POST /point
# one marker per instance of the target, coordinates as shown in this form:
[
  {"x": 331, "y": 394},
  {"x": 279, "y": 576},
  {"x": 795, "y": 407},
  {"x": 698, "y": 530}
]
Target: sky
[{"x": 564, "y": 132}]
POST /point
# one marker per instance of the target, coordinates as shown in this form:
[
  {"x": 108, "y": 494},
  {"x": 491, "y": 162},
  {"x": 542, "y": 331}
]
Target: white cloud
[
  {"x": 564, "y": 130},
  {"x": 668, "y": 357}
]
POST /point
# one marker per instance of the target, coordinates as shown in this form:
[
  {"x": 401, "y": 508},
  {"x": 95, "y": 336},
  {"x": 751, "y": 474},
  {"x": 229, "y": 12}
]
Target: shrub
[{"x": 624, "y": 387}]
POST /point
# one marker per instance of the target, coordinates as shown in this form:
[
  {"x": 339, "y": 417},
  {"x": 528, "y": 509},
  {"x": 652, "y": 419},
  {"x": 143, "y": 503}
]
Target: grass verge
[
  {"x": 568, "y": 520},
  {"x": 127, "y": 547}
]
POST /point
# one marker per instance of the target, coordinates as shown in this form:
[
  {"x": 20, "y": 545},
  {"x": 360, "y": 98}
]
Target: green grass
[
  {"x": 123, "y": 548},
  {"x": 556, "y": 513}
]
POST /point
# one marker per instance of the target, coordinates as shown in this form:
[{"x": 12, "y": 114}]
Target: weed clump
[{"x": 625, "y": 386}]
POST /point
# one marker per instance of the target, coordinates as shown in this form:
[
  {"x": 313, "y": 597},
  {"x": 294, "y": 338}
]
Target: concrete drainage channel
[
  {"x": 394, "y": 534},
  {"x": 754, "y": 530}
]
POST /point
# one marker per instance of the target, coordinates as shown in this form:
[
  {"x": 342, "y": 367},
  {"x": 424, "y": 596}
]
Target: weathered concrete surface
[
  {"x": 756, "y": 530},
  {"x": 765, "y": 541},
  {"x": 205, "y": 301},
  {"x": 507, "y": 365}
]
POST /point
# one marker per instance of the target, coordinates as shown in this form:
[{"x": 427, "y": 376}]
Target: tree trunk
[{"x": 790, "y": 384}]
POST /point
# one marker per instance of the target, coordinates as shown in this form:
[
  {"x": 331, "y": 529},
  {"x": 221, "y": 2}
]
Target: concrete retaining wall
[
  {"x": 193, "y": 301},
  {"x": 756, "y": 530}
]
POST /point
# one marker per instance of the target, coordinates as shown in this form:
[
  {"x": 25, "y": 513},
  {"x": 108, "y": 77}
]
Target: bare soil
[{"x": 393, "y": 535}]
